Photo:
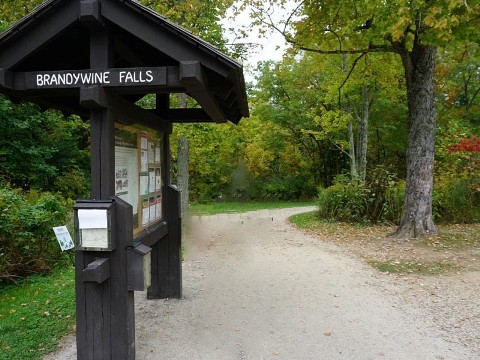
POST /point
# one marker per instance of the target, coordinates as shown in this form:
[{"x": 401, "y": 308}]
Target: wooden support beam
[
  {"x": 93, "y": 97},
  {"x": 192, "y": 76},
  {"x": 97, "y": 271},
  {"x": 7, "y": 79},
  {"x": 162, "y": 102},
  {"x": 129, "y": 113},
  {"x": 184, "y": 115},
  {"x": 153, "y": 236},
  {"x": 90, "y": 14},
  {"x": 28, "y": 43}
]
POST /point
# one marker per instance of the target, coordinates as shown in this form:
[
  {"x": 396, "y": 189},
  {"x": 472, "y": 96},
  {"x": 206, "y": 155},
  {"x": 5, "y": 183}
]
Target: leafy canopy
[
  {"x": 330, "y": 26},
  {"x": 202, "y": 17}
]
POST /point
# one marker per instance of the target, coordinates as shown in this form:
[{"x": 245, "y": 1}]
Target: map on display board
[{"x": 138, "y": 173}]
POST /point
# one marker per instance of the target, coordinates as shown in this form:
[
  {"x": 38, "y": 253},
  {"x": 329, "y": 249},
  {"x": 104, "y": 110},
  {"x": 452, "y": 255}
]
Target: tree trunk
[
  {"x": 417, "y": 211},
  {"x": 183, "y": 176},
  {"x": 362, "y": 136},
  {"x": 351, "y": 153}
]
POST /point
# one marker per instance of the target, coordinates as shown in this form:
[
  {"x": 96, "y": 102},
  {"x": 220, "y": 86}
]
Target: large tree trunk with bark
[{"x": 417, "y": 211}]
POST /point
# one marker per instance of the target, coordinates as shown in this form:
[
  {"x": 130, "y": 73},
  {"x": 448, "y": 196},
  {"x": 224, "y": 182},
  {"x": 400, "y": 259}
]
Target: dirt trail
[{"x": 257, "y": 288}]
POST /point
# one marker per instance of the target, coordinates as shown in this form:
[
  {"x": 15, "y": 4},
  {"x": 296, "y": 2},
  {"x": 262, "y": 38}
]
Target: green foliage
[
  {"x": 304, "y": 103},
  {"x": 379, "y": 199},
  {"x": 295, "y": 139},
  {"x": 456, "y": 198},
  {"x": 43, "y": 150},
  {"x": 287, "y": 188},
  {"x": 304, "y": 220},
  {"x": 27, "y": 241},
  {"x": 74, "y": 184},
  {"x": 199, "y": 16},
  {"x": 409, "y": 29},
  {"x": 13, "y": 10},
  {"x": 35, "y": 314},
  {"x": 215, "y": 150}
]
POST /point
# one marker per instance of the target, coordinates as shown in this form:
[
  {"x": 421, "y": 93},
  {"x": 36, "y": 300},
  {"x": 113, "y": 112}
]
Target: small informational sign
[
  {"x": 93, "y": 226},
  {"x": 64, "y": 238},
  {"x": 92, "y": 219}
]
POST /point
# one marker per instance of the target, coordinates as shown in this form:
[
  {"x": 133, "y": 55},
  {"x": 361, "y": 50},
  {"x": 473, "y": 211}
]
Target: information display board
[{"x": 138, "y": 173}]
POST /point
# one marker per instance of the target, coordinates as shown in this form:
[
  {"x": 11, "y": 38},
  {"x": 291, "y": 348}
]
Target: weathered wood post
[
  {"x": 105, "y": 307},
  {"x": 166, "y": 254}
]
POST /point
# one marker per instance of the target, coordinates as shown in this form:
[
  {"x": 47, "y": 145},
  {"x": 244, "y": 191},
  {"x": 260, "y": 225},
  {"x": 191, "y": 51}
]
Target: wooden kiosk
[{"x": 96, "y": 59}]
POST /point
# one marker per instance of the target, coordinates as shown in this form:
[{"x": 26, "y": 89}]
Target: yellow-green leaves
[
  {"x": 372, "y": 25},
  {"x": 14, "y": 10},
  {"x": 199, "y": 16}
]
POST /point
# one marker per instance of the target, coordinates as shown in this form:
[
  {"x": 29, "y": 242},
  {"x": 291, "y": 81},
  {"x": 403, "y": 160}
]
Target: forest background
[{"x": 332, "y": 127}]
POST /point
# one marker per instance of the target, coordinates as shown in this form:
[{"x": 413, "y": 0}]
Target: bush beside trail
[
  {"x": 27, "y": 242},
  {"x": 456, "y": 199}
]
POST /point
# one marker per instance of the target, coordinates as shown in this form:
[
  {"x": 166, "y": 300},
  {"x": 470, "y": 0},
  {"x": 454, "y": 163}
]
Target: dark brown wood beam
[
  {"x": 93, "y": 97},
  {"x": 28, "y": 43},
  {"x": 90, "y": 14},
  {"x": 192, "y": 76},
  {"x": 129, "y": 113},
  {"x": 183, "y": 115}
]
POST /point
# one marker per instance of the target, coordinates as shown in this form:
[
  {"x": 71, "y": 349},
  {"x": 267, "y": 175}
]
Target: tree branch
[
  {"x": 340, "y": 148},
  {"x": 271, "y": 24},
  {"x": 346, "y": 79},
  {"x": 287, "y": 22}
]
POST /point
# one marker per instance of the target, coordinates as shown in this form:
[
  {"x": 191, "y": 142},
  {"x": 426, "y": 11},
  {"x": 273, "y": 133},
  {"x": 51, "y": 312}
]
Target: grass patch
[
  {"x": 305, "y": 220},
  {"x": 334, "y": 229},
  {"x": 412, "y": 267},
  {"x": 239, "y": 207},
  {"x": 35, "y": 314},
  {"x": 455, "y": 237}
]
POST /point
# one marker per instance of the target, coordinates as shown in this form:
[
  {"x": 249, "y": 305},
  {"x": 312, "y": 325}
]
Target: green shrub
[
  {"x": 74, "y": 184},
  {"x": 456, "y": 198},
  {"x": 294, "y": 188},
  {"x": 27, "y": 241},
  {"x": 342, "y": 202},
  {"x": 378, "y": 199},
  {"x": 456, "y": 193},
  {"x": 394, "y": 199},
  {"x": 36, "y": 148}
]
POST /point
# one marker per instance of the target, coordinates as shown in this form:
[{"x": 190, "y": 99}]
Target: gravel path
[{"x": 257, "y": 288}]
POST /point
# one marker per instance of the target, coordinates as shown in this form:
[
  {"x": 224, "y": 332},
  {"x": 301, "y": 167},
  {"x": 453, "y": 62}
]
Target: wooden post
[
  {"x": 105, "y": 307},
  {"x": 166, "y": 254},
  {"x": 105, "y": 311}
]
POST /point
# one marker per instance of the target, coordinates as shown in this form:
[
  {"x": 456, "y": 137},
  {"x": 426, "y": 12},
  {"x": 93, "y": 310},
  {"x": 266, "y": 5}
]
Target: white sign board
[{"x": 63, "y": 237}]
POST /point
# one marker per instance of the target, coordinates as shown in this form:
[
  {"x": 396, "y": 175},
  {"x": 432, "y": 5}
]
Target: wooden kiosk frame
[{"x": 96, "y": 59}]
